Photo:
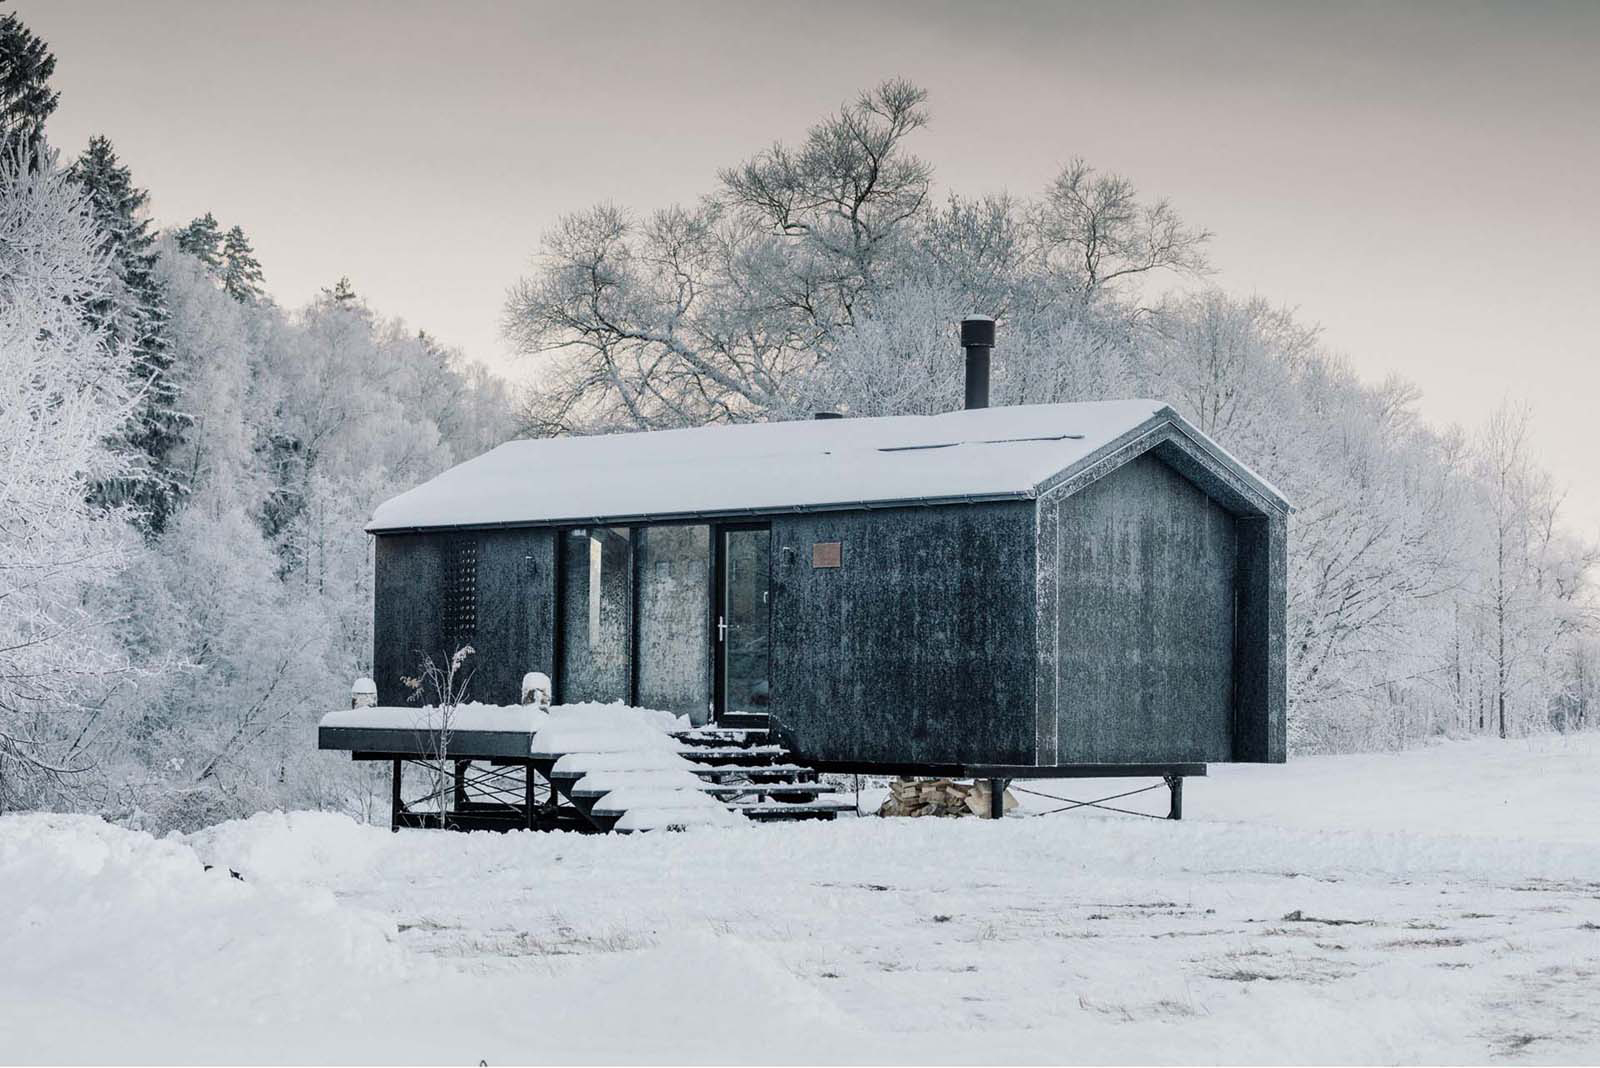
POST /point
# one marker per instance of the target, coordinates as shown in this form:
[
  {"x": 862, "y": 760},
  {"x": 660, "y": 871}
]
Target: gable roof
[{"x": 968, "y": 455}]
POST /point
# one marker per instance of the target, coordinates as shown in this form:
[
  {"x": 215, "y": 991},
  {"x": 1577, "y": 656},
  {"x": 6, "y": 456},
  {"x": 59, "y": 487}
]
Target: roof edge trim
[
  {"x": 647, "y": 518},
  {"x": 1166, "y": 425}
]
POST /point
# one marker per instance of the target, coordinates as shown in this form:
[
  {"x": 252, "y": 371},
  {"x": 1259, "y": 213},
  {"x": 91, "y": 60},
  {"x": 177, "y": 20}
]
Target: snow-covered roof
[{"x": 972, "y": 454}]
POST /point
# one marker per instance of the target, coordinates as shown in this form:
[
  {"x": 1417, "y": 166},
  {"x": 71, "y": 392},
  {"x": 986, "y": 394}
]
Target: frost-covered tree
[
  {"x": 202, "y": 239},
  {"x": 214, "y": 341},
  {"x": 793, "y": 285},
  {"x": 175, "y": 675},
  {"x": 257, "y": 597},
  {"x": 822, "y": 276},
  {"x": 1532, "y": 598},
  {"x": 26, "y": 99},
  {"x": 64, "y": 392},
  {"x": 341, "y": 292},
  {"x": 709, "y": 313},
  {"x": 250, "y": 662},
  {"x": 1095, "y": 230},
  {"x": 241, "y": 271},
  {"x": 135, "y": 314}
]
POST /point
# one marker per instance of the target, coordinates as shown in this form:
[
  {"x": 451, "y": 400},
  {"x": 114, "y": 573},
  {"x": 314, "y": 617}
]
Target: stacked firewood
[{"x": 940, "y": 797}]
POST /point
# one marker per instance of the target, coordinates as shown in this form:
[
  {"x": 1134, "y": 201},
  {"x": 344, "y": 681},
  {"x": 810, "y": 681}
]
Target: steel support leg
[
  {"x": 394, "y": 797},
  {"x": 1175, "y": 784},
  {"x": 527, "y": 801},
  {"x": 997, "y": 798}
]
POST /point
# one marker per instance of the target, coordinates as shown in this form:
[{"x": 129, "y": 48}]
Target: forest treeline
[
  {"x": 186, "y": 466},
  {"x": 185, "y": 471}
]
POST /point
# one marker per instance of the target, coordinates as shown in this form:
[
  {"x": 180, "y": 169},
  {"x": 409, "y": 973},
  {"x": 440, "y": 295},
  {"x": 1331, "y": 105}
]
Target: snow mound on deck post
[{"x": 537, "y": 689}]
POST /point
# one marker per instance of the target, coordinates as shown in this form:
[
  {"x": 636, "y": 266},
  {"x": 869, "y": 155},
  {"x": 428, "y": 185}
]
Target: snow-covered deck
[
  {"x": 619, "y": 767},
  {"x": 479, "y": 730}
]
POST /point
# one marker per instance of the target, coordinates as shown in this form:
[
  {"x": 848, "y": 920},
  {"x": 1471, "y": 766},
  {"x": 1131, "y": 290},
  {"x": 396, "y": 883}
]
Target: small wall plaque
[{"x": 825, "y": 554}]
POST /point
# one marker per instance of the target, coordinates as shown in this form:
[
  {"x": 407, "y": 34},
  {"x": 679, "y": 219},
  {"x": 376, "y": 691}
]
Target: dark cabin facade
[{"x": 1037, "y": 586}]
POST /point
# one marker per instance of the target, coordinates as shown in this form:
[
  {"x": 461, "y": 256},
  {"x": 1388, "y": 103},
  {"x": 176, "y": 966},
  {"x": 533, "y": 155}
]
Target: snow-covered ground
[{"x": 1439, "y": 905}]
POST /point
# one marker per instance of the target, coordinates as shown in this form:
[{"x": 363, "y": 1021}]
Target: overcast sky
[{"x": 1419, "y": 179}]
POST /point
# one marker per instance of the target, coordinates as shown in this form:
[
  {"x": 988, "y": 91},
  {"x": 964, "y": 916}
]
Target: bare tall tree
[
  {"x": 707, "y": 314},
  {"x": 1096, "y": 230},
  {"x": 1507, "y": 479}
]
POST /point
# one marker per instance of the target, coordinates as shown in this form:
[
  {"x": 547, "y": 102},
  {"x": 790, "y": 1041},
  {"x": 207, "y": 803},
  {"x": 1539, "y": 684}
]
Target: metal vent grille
[{"x": 461, "y": 592}]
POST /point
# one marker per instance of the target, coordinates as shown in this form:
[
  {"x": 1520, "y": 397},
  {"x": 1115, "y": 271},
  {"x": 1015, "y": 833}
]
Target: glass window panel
[
  {"x": 596, "y": 625},
  {"x": 674, "y": 623}
]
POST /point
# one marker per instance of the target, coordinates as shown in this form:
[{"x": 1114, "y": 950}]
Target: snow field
[{"x": 1440, "y": 905}]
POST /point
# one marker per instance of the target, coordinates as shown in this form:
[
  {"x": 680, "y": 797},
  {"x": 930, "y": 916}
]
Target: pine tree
[
  {"x": 202, "y": 239},
  {"x": 26, "y": 98},
  {"x": 137, "y": 317},
  {"x": 342, "y": 292},
  {"x": 241, "y": 271}
]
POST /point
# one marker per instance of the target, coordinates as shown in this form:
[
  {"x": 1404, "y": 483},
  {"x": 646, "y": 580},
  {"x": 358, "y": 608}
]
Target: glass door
[{"x": 742, "y": 631}]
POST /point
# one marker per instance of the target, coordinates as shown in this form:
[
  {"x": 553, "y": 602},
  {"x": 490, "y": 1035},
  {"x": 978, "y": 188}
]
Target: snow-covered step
[
  {"x": 718, "y": 772},
  {"x": 600, "y": 783},
  {"x": 621, "y": 802},
  {"x": 624, "y": 770},
  {"x": 722, "y": 735},
  {"x": 732, "y": 752},
  {"x": 794, "y": 809},
  {"x": 559, "y": 740},
  {"x": 740, "y": 789},
  {"x": 578, "y": 763},
  {"x": 656, "y": 819}
]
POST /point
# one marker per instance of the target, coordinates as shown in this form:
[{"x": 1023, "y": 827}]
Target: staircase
[{"x": 702, "y": 776}]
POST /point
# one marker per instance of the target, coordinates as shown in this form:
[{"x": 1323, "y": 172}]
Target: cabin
[{"x": 1088, "y": 588}]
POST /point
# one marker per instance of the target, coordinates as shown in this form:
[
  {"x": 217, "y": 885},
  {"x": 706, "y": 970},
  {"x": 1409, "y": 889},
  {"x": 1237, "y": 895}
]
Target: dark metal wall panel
[
  {"x": 918, "y": 647},
  {"x": 1046, "y": 646},
  {"x": 1144, "y": 618},
  {"x": 408, "y": 610},
  {"x": 516, "y": 612},
  {"x": 510, "y": 625},
  {"x": 1259, "y": 734}
]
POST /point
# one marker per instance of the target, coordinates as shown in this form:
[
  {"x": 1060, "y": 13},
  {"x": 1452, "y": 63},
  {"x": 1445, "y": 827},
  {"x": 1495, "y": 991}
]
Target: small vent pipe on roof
[{"x": 977, "y": 337}]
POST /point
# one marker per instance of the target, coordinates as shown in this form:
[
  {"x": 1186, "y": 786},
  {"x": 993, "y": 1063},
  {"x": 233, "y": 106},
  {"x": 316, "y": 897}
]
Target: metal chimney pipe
[{"x": 977, "y": 337}]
